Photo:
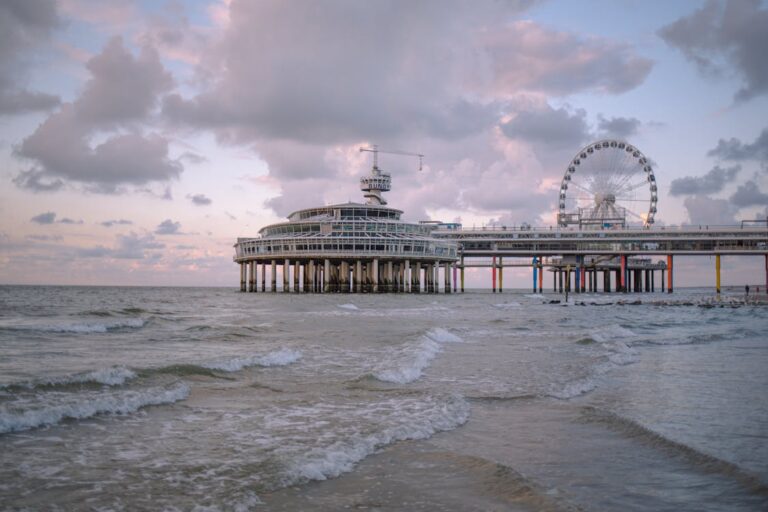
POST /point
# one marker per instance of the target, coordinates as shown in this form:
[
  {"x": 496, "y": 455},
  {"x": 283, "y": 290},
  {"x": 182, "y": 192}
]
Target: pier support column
[
  {"x": 359, "y": 276},
  {"x": 296, "y": 276},
  {"x": 535, "y": 274},
  {"x": 453, "y": 266},
  {"x": 327, "y": 276},
  {"x": 461, "y": 271},
  {"x": 493, "y": 274},
  {"x": 670, "y": 273},
  {"x": 390, "y": 279},
  {"x": 345, "y": 277},
  {"x": 447, "y": 271},
  {"x": 415, "y": 275},
  {"x": 286, "y": 276},
  {"x": 541, "y": 275},
  {"x": 663, "y": 273},
  {"x": 375, "y": 276},
  {"x": 623, "y": 273},
  {"x": 653, "y": 281},
  {"x": 501, "y": 274},
  {"x": 263, "y": 277},
  {"x": 583, "y": 272},
  {"x": 554, "y": 279},
  {"x": 406, "y": 281},
  {"x": 242, "y": 277},
  {"x": 560, "y": 276},
  {"x": 717, "y": 273},
  {"x": 273, "y": 276}
]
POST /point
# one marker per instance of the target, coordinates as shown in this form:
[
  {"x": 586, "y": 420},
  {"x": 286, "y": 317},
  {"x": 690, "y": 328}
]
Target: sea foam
[
  {"x": 281, "y": 357},
  {"x": 110, "y": 376},
  {"x": 406, "y": 363},
  {"x": 52, "y": 408}
]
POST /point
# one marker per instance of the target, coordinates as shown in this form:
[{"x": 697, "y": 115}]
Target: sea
[{"x": 207, "y": 399}]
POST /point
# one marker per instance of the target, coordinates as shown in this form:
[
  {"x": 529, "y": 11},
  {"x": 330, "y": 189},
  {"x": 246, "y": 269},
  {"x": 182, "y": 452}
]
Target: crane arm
[{"x": 375, "y": 150}]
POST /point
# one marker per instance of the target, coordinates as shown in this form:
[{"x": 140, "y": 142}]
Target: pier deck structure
[{"x": 626, "y": 253}]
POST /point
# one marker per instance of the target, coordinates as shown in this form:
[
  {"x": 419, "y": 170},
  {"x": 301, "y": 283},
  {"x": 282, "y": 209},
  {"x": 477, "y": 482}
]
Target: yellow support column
[{"x": 717, "y": 272}]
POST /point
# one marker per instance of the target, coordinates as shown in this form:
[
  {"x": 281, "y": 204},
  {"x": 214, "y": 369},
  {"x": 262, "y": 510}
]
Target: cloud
[
  {"x": 67, "y": 220},
  {"x": 749, "y": 194},
  {"x": 723, "y": 36},
  {"x": 168, "y": 227},
  {"x": 45, "y": 238},
  {"x": 735, "y": 150},
  {"x": 556, "y": 127},
  {"x": 121, "y": 93},
  {"x": 439, "y": 72},
  {"x": 44, "y": 218},
  {"x": 120, "y": 222},
  {"x": 710, "y": 183},
  {"x": 527, "y": 56},
  {"x": 122, "y": 87},
  {"x": 618, "y": 127},
  {"x": 128, "y": 247},
  {"x": 24, "y": 26},
  {"x": 705, "y": 210},
  {"x": 200, "y": 200}
]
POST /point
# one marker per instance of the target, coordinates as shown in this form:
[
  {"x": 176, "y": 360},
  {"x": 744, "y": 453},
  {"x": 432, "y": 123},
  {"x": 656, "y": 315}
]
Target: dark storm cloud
[
  {"x": 734, "y": 149},
  {"x": 749, "y": 194},
  {"x": 23, "y": 26},
  {"x": 722, "y": 35},
  {"x": 200, "y": 200},
  {"x": 618, "y": 127},
  {"x": 122, "y": 91},
  {"x": 710, "y": 183},
  {"x": 44, "y": 218},
  {"x": 168, "y": 227},
  {"x": 556, "y": 127}
]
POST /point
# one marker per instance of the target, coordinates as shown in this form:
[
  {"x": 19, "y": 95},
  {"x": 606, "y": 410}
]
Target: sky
[{"x": 139, "y": 139}]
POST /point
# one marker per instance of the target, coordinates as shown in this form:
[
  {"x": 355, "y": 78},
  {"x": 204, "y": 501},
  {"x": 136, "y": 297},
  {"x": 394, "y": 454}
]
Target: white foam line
[
  {"x": 123, "y": 402},
  {"x": 277, "y": 358}
]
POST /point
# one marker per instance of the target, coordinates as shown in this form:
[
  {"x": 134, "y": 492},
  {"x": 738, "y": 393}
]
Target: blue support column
[{"x": 535, "y": 274}]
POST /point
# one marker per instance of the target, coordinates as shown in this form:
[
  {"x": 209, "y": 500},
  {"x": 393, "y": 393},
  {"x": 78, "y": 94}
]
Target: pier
[{"x": 367, "y": 248}]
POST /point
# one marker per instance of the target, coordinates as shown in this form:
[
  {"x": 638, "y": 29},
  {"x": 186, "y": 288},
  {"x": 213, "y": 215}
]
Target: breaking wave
[
  {"x": 111, "y": 376},
  {"x": 55, "y": 407},
  {"x": 101, "y": 326},
  {"x": 406, "y": 363},
  {"x": 281, "y": 357}
]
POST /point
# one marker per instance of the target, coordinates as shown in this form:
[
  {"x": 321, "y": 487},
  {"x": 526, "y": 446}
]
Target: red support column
[
  {"x": 669, "y": 273},
  {"x": 623, "y": 274}
]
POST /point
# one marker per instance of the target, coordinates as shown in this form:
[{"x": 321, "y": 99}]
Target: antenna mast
[{"x": 378, "y": 182}]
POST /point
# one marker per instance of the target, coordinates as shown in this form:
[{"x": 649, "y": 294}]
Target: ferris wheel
[{"x": 609, "y": 183}]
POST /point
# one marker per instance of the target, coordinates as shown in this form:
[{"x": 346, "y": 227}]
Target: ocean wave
[
  {"x": 611, "y": 333},
  {"x": 406, "y": 363},
  {"x": 709, "y": 462},
  {"x": 350, "y": 307},
  {"x": 80, "y": 327},
  {"x": 413, "y": 421},
  {"x": 281, "y": 357},
  {"x": 111, "y": 376},
  {"x": 52, "y": 408}
]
